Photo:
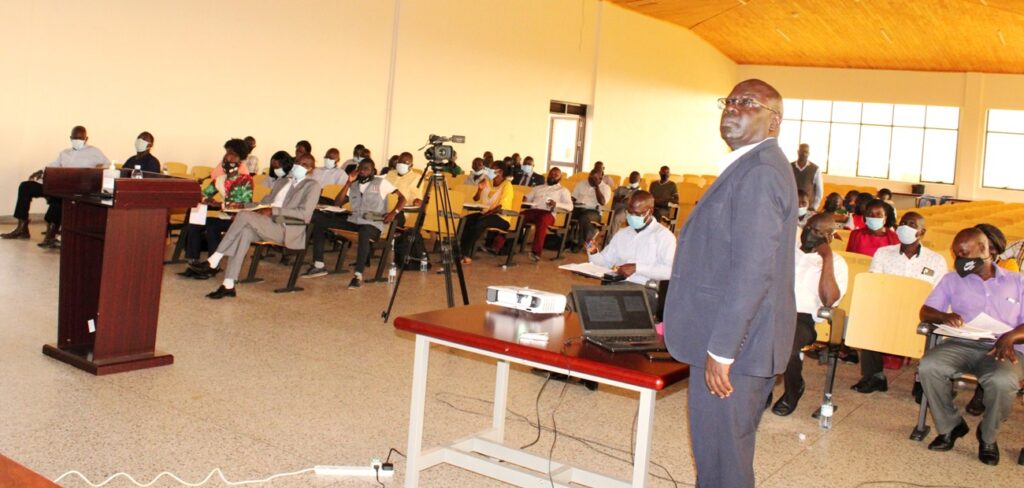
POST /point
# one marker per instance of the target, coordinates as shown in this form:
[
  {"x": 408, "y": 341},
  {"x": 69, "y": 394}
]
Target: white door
[{"x": 565, "y": 143}]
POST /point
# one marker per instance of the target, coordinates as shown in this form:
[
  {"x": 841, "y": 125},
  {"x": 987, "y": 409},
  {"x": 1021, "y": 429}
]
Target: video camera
[{"x": 438, "y": 153}]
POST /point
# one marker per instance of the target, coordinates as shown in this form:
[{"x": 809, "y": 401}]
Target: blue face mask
[
  {"x": 279, "y": 172},
  {"x": 637, "y": 222},
  {"x": 907, "y": 234},
  {"x": 490, "y": 173},
  {"x": 527, "y": 169},
  {"x": 874, "y": 223},
  {"x": 299, "y": 172}
]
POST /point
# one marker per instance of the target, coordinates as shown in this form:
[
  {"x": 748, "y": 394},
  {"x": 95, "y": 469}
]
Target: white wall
[
  {"x": 974, "y": 93},
  {"x": 195, "y": 73}
]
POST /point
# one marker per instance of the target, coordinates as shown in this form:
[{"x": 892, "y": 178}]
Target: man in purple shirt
[{"x": 978, "y": 286}]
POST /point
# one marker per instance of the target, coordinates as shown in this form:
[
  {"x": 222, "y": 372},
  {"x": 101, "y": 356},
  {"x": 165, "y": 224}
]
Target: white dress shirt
[
  {"x": 926, "y": 265},
  {"x": 807, "y": 277},
  {"x": 86, "y": 157},
  {"x": 652, "y": 250},
  {"x": 539, "y": 196},
  {"x": 281, "y": 195},
  {"x": 586, "y": 197},
  {"x": 732, "y": 157}
]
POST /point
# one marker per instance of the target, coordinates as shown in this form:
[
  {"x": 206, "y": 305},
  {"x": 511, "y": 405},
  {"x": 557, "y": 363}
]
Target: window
[
  {"x": 912, "y": 143},
  {"x": 1004, "y": 144}
]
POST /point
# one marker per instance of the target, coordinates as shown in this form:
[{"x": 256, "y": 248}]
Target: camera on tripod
[{"x": 438, "y": 153}]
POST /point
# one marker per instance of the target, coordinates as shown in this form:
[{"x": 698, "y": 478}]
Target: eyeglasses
[{"x": 743, "y": 102}]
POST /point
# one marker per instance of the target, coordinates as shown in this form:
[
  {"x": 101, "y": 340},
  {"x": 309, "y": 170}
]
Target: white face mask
[
  {"x": 527, "y": 169},
  {"x": 77, "y": 144},
  {"x": 141, "y": 145},
  {"x": 634, "y": 185},
  {"x": 402, "y": 169},
  {"x": 358, "y": 159},
  {"x": 801, "y": 211},
  {"x": 478, "y": 172},
  {"x": 299, "y": 172},
  {"x": 330, "y": 163},
  {"x": 279, "y": 172}
]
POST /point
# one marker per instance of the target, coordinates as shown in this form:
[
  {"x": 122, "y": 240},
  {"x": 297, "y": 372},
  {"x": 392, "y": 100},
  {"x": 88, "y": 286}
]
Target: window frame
[{"x": 984, "y": 154}]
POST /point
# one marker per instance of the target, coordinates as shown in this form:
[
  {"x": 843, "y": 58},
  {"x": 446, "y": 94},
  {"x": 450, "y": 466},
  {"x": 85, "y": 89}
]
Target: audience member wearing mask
[
  {"x": 910, "y": 259},
  {"x": 588, "y": 197},
  {"x": 665, "y": 192},
  {"x": 477, "y": 173},
  {"x": 235, "y": 188},
  {"x": 329, "y": 173},
  {"x": 407, "y": 182},
  {"x": 620, "y": 202},
  {"x": 358, "y": 154},
  {"x": 79, "y": 155},
  {"x": 496, "y": 195},
  {"x": 856, "y": 220},
  {"x": 543, "y": 200},
  {"x": 850, "y": 201},
  {"x": 280, "y": 164},
  {"x": 641, "y": 253},
  {"x": 143, "y": 160},
  {"x": 527, "y": 176},
  {"x": 252, "y": 162},
  {"x": 978, "y": 286},
  {"x": 874, "y": 234},
  {"x": 805, "y": 211},
  {"x": 820, "y": 281},
  {"x": 292, "y": 202},
  {"x": 367, "y": 197}
]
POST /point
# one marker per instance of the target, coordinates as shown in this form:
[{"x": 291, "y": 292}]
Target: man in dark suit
[{"x": 731, "y": 312}]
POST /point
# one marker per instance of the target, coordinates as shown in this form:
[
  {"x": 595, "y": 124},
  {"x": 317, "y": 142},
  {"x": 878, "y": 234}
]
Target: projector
[{"x": 519, "y": 298}]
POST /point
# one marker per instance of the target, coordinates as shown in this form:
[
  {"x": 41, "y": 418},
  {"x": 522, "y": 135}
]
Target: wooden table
[{"x": 493, "y": 332}]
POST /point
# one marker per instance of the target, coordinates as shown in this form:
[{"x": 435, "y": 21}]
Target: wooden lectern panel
[{"x": 112, "y": 267}]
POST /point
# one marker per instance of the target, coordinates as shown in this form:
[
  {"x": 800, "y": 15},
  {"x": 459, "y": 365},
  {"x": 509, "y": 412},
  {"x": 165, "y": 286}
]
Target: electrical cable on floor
[
  {"x": 537, "y": 408},
  {"x": 554, "y": 426},
  {"x": 216, "y": 471}
]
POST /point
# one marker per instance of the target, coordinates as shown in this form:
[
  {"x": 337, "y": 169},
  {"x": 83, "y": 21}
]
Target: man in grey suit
[
  {"x": 731, "y": 312},
  {"x": 291, "y": 205}
]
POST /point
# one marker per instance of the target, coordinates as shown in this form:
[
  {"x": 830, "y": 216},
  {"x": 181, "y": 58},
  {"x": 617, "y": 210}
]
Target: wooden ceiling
[{"x": 925, "y": 35}]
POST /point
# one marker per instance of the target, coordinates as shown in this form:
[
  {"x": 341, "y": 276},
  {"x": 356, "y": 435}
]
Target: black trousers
[
  {"x": 475, "y": 226},
  {"x": 213, "y": 231},
  {"x": 793, "y": 378},
  {"x": 870, "y": 364},
  {"x": 586, "y": 218},
  {"x": 27, "y": 191},
  {"x": 322, "y": 221}
]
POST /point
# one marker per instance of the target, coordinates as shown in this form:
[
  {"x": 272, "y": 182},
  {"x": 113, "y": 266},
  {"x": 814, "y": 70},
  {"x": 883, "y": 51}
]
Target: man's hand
[
  {"x": 824, "y": 249},
  {"x": 953, "y": 320},
  {"x": 388, "y": 217},
  {"x": 352, "y": 177},
  {"x": 716, "y": 375},
  {"x": 627, "y": 269},
  {"x": 38, "y": 175},
  {"x": 1003, "y": 348},
  {"x": 551, "y": 204},
  {"x": 591, "y": 246},
  {"x": 417, "y": 202}
]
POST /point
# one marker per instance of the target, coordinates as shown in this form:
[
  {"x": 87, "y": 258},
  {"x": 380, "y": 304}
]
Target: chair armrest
[
  {"x": 508, "y": 213},
  {"x": 925, "y": 328},
  {"x": 836, "y": 318}
]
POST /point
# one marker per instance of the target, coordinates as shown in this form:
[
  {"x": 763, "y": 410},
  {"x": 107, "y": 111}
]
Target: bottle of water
[
  {"x": 392, "y": 273},
  {"x": 137, "y": 172},
  {"x": 825, "y": 415},
  {"x": 424, "y": 263}
]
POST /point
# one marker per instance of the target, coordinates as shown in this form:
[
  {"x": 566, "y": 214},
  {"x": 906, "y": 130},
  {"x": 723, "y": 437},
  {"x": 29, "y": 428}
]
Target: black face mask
[
  {"x": 809, "y": 240},
  {"x": 663, "y": 177},
  {"x": 552, "y": 181},
  {"x": 364, "y": 179},
  {"x": 229, "y": 168},
  {"x": 967, "y": 266}
]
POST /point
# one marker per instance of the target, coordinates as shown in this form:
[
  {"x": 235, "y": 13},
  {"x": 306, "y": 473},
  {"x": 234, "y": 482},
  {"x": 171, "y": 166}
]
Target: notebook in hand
[{"x": 617, "y": 318}]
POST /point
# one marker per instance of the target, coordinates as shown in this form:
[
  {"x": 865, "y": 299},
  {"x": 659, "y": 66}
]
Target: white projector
[{"x": 519, "y": 298}]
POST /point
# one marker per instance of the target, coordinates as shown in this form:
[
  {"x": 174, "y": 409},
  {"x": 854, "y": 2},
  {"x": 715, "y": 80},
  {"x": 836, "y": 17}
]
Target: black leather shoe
[
  {"x": 221, "y": 293},
  {"x": 944, "y": 442},
  {"x": 987, "y": 453},
  {"x": 871, "y": 385},
  {"x": 785, "y": 406},
  {"x": 976, "y": 406},
  {"x": 202, "y": 270}
]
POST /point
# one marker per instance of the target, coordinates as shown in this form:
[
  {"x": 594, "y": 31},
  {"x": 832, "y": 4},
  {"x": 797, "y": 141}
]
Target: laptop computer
[{"x": 617, "y": 318}]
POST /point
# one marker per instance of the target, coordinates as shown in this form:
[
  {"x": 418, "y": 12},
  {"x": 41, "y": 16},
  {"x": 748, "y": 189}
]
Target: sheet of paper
[
  {"x": 473, "y": 206},
  {"x": 963, "y": 332},
  {"x": 245, "y": 209},
  {"x": 988, "y": 323},
  {"x": 587, "y": 269},
  {"x": 197, "y": 216},
  {"x": 332, "y": 209}
]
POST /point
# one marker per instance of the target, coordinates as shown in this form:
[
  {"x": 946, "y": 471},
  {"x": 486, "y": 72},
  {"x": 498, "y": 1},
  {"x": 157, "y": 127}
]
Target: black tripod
[{"x": 437, "y": 189}]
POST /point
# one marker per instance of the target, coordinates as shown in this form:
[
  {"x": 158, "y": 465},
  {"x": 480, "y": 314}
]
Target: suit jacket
[
  {"x": 731, "y": 290},
  {"x": 296, "y": 211},
  {"x": 535, "y": 179}
]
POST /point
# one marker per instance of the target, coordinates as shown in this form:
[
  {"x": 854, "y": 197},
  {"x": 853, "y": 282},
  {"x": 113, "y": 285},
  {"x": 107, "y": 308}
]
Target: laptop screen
[{"x": 613, "y": 308}]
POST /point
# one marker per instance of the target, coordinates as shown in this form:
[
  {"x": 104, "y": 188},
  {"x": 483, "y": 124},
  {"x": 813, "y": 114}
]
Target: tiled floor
[{"x": 268, "y": 383}]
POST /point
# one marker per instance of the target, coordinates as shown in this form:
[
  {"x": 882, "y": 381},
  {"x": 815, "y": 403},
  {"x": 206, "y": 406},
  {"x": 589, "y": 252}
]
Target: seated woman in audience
[
  {"x": 496, "y": 195},
  {"x": 235, "y": 187},
  {"x": 978, "y": 286},
  {"x": 874, "y": 234},
  {"x": 850, "y": 201},
  {"x": 277, "y": 169},
  {"x": 804, "y": 212},
  {"x": 856, "y": 220}
]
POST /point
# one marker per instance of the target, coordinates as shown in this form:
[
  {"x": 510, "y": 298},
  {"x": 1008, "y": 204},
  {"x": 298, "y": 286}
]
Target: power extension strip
[{"x": 376, "y": 468}]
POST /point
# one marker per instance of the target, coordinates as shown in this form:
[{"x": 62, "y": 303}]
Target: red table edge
[{"x": 542, "y": 356}]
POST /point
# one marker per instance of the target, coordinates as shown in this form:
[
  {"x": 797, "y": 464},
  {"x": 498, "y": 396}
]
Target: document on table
[
  {"x": 988, "y": 323},
  {"x": 332, "y": 209},
  {"x": 197, "y": 216},
  {"x": 587, "y": 269}
]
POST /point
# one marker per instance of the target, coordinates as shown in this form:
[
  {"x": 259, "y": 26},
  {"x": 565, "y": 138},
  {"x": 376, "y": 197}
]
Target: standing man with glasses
[{"x": 731, "y": 310}]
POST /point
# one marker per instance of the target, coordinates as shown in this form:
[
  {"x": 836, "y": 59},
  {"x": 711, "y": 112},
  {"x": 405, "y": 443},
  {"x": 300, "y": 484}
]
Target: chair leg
[
  {"x": 830, "y": 375},
  {"x": 179, "y": 246},
  {"x": 561, "y": 245},
  {"x": 254, "y": 265},
  {"x": 339, "y": 266},
  {"x": 300, "y": 255},
  {"x": 516, "y": 239}
]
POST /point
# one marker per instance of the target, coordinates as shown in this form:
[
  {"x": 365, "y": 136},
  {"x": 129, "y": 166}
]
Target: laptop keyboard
[{"x": 643, "y": 338}]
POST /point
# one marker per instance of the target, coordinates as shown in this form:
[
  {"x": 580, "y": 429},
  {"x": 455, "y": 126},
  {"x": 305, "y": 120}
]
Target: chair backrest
[
  {"x": 689, "y": 193},
  {"x": 883, "y": 315},
  {"x": 331, "y": 191},
  {"x": 616, "y": 180},
  {"x": 176, "y": 168},
  {"x": 201, "y": 172},
  {"x": 855, "y": 264},
  {"x": 697, "y": 180},
  {"x": 258, "y": 192}
]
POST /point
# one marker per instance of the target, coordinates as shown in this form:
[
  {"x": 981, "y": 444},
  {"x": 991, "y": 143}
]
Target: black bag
[{"x": 412, "y": 241}]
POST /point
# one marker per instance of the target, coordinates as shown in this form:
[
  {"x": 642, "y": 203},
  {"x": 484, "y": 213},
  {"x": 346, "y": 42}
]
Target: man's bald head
[
  {"x": 822, "y": 223},
  {"x": 641, "y": 203}
]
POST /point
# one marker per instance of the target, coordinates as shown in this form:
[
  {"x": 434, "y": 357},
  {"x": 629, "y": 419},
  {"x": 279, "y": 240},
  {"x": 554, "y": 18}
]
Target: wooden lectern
[{"x": 111, "y": 267}]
